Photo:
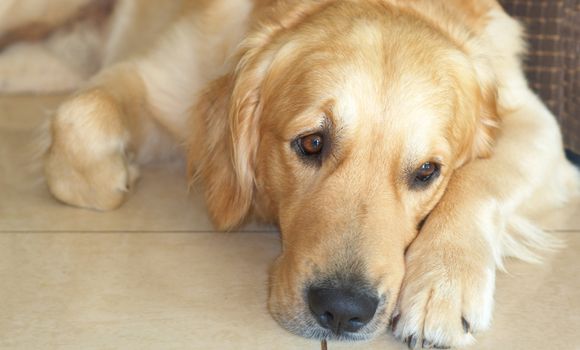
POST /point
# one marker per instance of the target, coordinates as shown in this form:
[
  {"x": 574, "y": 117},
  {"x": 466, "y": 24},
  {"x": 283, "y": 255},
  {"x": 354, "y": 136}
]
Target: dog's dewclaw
[{"x": 323, "y": 345}]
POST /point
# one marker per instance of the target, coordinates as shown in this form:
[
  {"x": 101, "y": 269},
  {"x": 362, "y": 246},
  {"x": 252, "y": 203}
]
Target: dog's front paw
[
  {"x": 447, "y": 293},
  {"x": 86, "y": 164}
]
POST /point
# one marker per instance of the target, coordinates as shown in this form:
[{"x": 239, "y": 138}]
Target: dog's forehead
[
  {"x": 402, "y": 110},
  {"x": 378, "y": 86},
  {"x": 397, "y": 115},
  {"x": 400, "y": 102}
]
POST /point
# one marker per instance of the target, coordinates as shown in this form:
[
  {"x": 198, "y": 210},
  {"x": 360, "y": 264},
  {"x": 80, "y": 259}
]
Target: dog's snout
[{"x": 342, "y": 309}]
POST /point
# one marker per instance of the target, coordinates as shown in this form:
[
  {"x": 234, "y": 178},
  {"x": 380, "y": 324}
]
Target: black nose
[{"x": 342, "y": 309}]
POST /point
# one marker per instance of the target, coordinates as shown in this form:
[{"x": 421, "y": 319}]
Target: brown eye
[
  {"x": 426, "y": 172},
  {"x": 311, "y": 144}
]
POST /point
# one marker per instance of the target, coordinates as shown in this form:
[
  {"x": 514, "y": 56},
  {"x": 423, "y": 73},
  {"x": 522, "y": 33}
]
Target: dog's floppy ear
[
  {"x": 478, "y": 121},
  {"x": 224, "y": 145},
  {"x": 222, "y": 150}
]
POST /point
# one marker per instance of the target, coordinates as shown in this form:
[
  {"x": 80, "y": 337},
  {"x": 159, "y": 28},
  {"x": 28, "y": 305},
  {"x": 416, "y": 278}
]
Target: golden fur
[{"x": 391, "y": 84}]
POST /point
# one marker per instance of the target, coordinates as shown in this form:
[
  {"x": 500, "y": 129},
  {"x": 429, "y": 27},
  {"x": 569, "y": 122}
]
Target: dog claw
[
  {"x": 394, "y": 322},
  {"x": 465, "y": 324},
  {"x": 411, "y": 341}
]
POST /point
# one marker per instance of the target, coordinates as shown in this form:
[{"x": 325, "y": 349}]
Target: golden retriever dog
[{"x": 395, "y": 143}]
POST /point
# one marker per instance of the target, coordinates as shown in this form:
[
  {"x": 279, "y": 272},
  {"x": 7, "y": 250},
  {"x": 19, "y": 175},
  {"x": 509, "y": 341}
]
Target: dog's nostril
[
  {"x": 342, "y": 309},
  {"x": 325, "y": 319},
  {"x": 356, "y": 322},
  {"x": 328, "y": 316}
]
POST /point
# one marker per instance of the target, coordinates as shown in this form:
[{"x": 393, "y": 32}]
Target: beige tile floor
[{"x": 152, "y": 275}]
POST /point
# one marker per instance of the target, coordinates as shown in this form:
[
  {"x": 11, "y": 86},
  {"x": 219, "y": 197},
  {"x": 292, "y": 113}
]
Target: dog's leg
[
  {"x": 139, "y": 108},
  {"x": 447, "y": 293},
  {"x": 97, "y": 136}
]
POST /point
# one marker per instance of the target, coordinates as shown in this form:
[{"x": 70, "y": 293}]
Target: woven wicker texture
[{"x": 553, "y": 62}]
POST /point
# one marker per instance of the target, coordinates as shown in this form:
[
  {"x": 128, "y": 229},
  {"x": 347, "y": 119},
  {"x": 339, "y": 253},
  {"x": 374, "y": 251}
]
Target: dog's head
[{"x": 343, "y": 122}]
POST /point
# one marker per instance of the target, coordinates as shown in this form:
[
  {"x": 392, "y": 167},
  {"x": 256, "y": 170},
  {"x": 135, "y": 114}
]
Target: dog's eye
[
  {"x": 311, "y": 145},
  {"x": 427, "y": 172}
]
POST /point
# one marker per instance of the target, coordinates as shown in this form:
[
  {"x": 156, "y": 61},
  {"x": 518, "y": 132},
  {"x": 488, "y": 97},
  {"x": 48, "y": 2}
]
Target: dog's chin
[{"x": 303, "y": 324}]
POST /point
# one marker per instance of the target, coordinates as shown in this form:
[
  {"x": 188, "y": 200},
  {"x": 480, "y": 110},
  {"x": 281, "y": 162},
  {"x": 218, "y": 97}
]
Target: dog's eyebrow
[
  {"x": 326, "y": 123},
  {"x": 323, "y": 122}
]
